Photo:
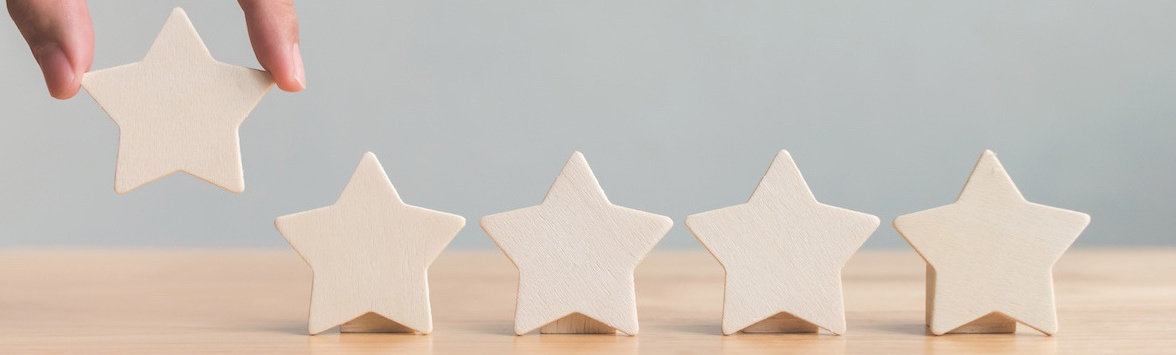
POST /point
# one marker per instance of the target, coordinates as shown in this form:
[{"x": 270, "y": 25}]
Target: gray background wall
[{"x": 679, "y": 106}]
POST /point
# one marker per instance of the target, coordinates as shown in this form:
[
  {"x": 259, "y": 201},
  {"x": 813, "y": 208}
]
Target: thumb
[{"x": 61, "y": 38}]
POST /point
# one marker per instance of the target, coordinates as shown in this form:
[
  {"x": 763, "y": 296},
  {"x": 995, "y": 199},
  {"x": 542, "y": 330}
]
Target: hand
[{"x": 61, "y": 36}]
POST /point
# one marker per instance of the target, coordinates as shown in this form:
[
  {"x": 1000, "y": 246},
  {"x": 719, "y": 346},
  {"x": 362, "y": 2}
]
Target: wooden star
[
  {"x": 576, "y": 253},
  {"x": 178, "y": 110},
  {"x": 370, "y": 253},
  {"x": 783, "y": 252},
  {"x": 990, "y": 255}
]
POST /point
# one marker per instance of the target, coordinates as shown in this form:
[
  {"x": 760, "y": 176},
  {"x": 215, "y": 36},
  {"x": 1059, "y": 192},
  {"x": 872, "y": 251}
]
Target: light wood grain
[
  {"x": 178, "y": 110},
  {"x": 576, "y": 253},
  {"x": 254, "y": 301},
  {"x": 989, "y": 255},
  {"x": 370, "y": 253},
  {"x": 783, "y": 252}
]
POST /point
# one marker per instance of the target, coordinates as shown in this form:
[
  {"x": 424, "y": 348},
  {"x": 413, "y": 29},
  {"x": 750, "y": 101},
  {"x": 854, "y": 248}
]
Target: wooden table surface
[{"x": 256, "y": 301}]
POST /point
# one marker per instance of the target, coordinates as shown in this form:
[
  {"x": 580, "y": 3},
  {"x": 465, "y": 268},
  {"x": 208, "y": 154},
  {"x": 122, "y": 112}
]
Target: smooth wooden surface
[
  {"x": 783, "y": 252},
  {"x": 576, "y": 253},
  {"x": 370, "y": 253},
  {"x": 254, "y": 301},
  {"x": 178, "y": 110},
  {"x": 989, "y": 255}
]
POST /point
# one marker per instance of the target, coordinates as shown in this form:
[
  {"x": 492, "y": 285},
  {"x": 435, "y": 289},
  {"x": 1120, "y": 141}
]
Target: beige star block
[
  {"x": 990, "y": 255},
  {"x": 576, "y": 253},
  {"x": 370, "y": 253},
  {"x": 178, "y": 110},
  {"x": 783, "y": 252}
]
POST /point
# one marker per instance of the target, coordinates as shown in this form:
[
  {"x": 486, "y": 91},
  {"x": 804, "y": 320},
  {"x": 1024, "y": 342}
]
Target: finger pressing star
[
  {"x": 783, "y": 252},
  {"x": 576, "y": 253},
  {"x": 990, "y": 255},
  {"x": 178, "y": 110},
  {"x": 370, "y": 253}
]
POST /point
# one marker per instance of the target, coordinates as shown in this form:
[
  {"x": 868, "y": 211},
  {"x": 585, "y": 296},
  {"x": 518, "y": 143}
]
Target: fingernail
[
  {"x": 59, "y": 75},
  {"x": 299, "y": 72}
]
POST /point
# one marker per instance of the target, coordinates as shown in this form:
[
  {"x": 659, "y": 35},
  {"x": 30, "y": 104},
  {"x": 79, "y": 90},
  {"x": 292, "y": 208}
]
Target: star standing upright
[
  {"x": 783, "y": 252},
  {"x": 370, "y": 253},
  {"x": 576, "y": 253},
  {"x": 990, "y": 255}
]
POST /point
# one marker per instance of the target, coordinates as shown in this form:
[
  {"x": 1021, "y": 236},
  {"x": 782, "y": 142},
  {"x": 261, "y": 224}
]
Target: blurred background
[{"x": 679, "y": 106}]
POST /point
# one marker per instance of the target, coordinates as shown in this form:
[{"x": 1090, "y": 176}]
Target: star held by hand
[
  {"x": 576, "y": 253},
  {"x": 370, "y": 253},
  {"x": 178, "y": 110},
  {"x": 783, "y": 252},
  {"x": 990, "y": 255}
]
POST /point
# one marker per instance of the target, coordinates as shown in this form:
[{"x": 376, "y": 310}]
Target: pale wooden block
[
  {"x": 576, "y": 323},
  {"x": 783, "y": 252},
  {"x": 782, "y": 323},
  {"x": 993, "y": 323},
  {"x": 373, "y": 323},
  {"x": 990, "y": 255},
  {"x": 576, "y": 253},
  {"x": 178, "y": 110},
  {"x": 370, "y": 253}
]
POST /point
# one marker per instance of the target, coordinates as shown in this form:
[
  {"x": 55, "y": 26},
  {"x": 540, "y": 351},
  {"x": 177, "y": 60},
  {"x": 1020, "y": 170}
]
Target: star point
[
  {"x": 370, "y": 254},
  {"x": 783, "y": 252},
  {"x": 991, "y": 252},
  {"x": 177, "y": 41},
  {"x": 178, "y": 110},
  {"x": 576, "y": 253}
]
